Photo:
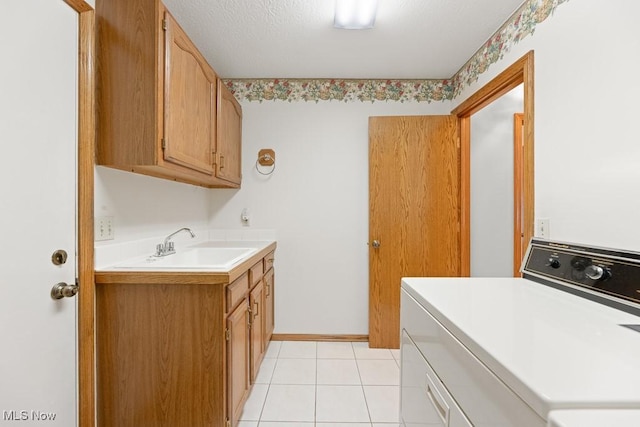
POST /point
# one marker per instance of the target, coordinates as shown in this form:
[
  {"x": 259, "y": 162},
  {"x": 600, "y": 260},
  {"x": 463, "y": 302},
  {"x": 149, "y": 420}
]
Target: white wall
[
  {"x": 144, "y": 206},
  {"x": 317, "y": 201},
  {"x": 587, "y": 155},
  {"x": 491, "y": 206}
]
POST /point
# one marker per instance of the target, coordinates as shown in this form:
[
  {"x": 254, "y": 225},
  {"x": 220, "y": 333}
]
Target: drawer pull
[{"x": 438, "y": 402}]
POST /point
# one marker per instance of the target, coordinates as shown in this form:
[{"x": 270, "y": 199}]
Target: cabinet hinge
[
  {"x": 164, "y": 25},
  {"x": 227, "y": 334},
  {"x": 163, "y": 143}
]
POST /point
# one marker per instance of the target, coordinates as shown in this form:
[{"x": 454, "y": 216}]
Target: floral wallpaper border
[
  {"x": 341, "y": 90},
  {"x": 521, "y": 24}
]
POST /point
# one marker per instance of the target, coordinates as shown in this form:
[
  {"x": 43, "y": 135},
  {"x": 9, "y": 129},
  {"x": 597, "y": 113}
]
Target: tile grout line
[
  {"x": 364, "y": 395},
  {"x": 267, "y": 393},
  {"x": 269, "y": 384}
]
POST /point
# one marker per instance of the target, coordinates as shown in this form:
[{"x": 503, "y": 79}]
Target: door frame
[
  {"x": 518, "y": 156},
  {"x": 84, "y": 216},
  {"x": 520, "y": 72}
]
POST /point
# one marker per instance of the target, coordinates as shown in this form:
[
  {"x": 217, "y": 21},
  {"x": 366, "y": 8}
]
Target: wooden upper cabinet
[
  {"x": 189, "y": 102},
  {"x": 229, "y": 148},
  {"x": 157, "y": 99}
]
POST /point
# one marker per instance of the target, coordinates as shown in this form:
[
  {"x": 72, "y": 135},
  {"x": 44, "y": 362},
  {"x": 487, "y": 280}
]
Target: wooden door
[
  {"x": 229, "y": 140},
  {"x": 189, "y": 103},
  {"x": 414, "y": 181},
  {"x": 39, "y": 127},
  {"x": 268, "y": 306},
  {"x": 237, "y": 361},
  {"x": 256, "y": 300}
]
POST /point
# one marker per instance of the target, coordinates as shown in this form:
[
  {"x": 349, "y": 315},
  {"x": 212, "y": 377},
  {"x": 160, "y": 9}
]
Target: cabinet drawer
[
  {"x": 236, "y": 291},
  {"x": 268, "y": 261},
  {"x": 255, "y": 273}
]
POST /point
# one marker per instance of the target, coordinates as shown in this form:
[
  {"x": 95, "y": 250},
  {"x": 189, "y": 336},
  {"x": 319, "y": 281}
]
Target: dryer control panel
[{"x": 613, "y": 275}]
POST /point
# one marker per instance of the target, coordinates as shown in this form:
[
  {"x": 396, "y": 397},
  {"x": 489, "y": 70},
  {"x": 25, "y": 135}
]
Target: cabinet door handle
[
  {"x": 438, "y": 402},
  {"x": 268, "y": 290},
  {"x": 221, "y": 162},
  {"x": 255, "y": 313}
]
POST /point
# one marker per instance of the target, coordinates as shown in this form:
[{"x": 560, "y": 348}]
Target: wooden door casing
[
  {"x": 520, "y": 72},
  {"x": 414, "y": 182},
  {"x": 519, "y": 244},
  {"x": 189, "y": 102}
]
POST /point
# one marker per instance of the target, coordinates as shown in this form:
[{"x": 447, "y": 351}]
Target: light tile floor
[{"x": 325, "y": 384}]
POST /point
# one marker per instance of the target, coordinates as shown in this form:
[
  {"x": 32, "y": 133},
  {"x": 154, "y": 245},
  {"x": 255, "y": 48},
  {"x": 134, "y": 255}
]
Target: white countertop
[
  {"x": 138, "y": 262},
  {"x": 554, "y": 349}
]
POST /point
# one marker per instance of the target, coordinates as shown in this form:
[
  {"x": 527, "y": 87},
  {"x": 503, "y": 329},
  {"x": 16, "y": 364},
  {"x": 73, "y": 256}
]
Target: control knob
[
  {"x": 597, "y": 272},
  {"x": 554, "y": 263}
]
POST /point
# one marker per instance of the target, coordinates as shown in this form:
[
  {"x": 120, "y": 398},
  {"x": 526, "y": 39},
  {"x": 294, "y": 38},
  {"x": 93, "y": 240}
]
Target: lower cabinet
[
  {"x": 160, "y": 352},
  {"x": 238, "y": 360},
  {"x": 269, "y": 305},
  {"x": 179, "y": 349},
  {"x": 256, "y": 310}
]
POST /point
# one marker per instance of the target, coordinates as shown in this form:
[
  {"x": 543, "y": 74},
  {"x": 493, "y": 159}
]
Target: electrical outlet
[
  {"x": 244, "y": 217},
  {"x": 542, "y": 228},
  {"x": 103, "y": 228}
]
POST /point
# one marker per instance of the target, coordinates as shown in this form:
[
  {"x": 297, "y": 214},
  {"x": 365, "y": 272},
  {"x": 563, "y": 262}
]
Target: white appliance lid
[{"x": 554, "y": 349}]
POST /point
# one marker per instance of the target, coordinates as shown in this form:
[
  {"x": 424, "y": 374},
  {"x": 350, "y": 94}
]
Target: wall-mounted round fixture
[{"x": 267, "y": 158}]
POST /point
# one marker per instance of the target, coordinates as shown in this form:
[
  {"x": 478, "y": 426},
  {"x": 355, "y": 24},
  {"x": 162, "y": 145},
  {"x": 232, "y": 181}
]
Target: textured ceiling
[{"x": 412, "y": 39}]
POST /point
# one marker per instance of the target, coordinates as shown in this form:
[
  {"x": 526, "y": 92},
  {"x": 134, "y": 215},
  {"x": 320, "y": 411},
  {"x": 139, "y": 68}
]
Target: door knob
[
  {"x": 375, "y": 244},
  {"x": 62, "y": 290}
]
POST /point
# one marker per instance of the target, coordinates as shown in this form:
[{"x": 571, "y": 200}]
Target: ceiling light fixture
[{"x": 355, "y": 14}]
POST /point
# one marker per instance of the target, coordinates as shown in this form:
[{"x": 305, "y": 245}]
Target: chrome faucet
[{"x": 166, "y": 248}]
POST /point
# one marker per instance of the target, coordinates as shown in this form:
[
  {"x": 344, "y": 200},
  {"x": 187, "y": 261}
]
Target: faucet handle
[
  {"x": 170, "y": 248},
  {"x": 159, "y": 249}
]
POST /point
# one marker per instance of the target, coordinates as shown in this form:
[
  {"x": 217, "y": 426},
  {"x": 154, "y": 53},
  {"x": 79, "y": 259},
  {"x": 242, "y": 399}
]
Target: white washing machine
[
  {"x": 517, "y": 352},
  {"x": 595, "y": 418}
]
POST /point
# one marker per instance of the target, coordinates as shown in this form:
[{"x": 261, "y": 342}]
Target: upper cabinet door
[
  {"x": 229, "y": 157},
  {"x": 189, "y": 102}
]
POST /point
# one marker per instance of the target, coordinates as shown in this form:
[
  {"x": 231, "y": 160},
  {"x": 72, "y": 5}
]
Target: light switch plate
[{"x": 542, "y": 228}]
